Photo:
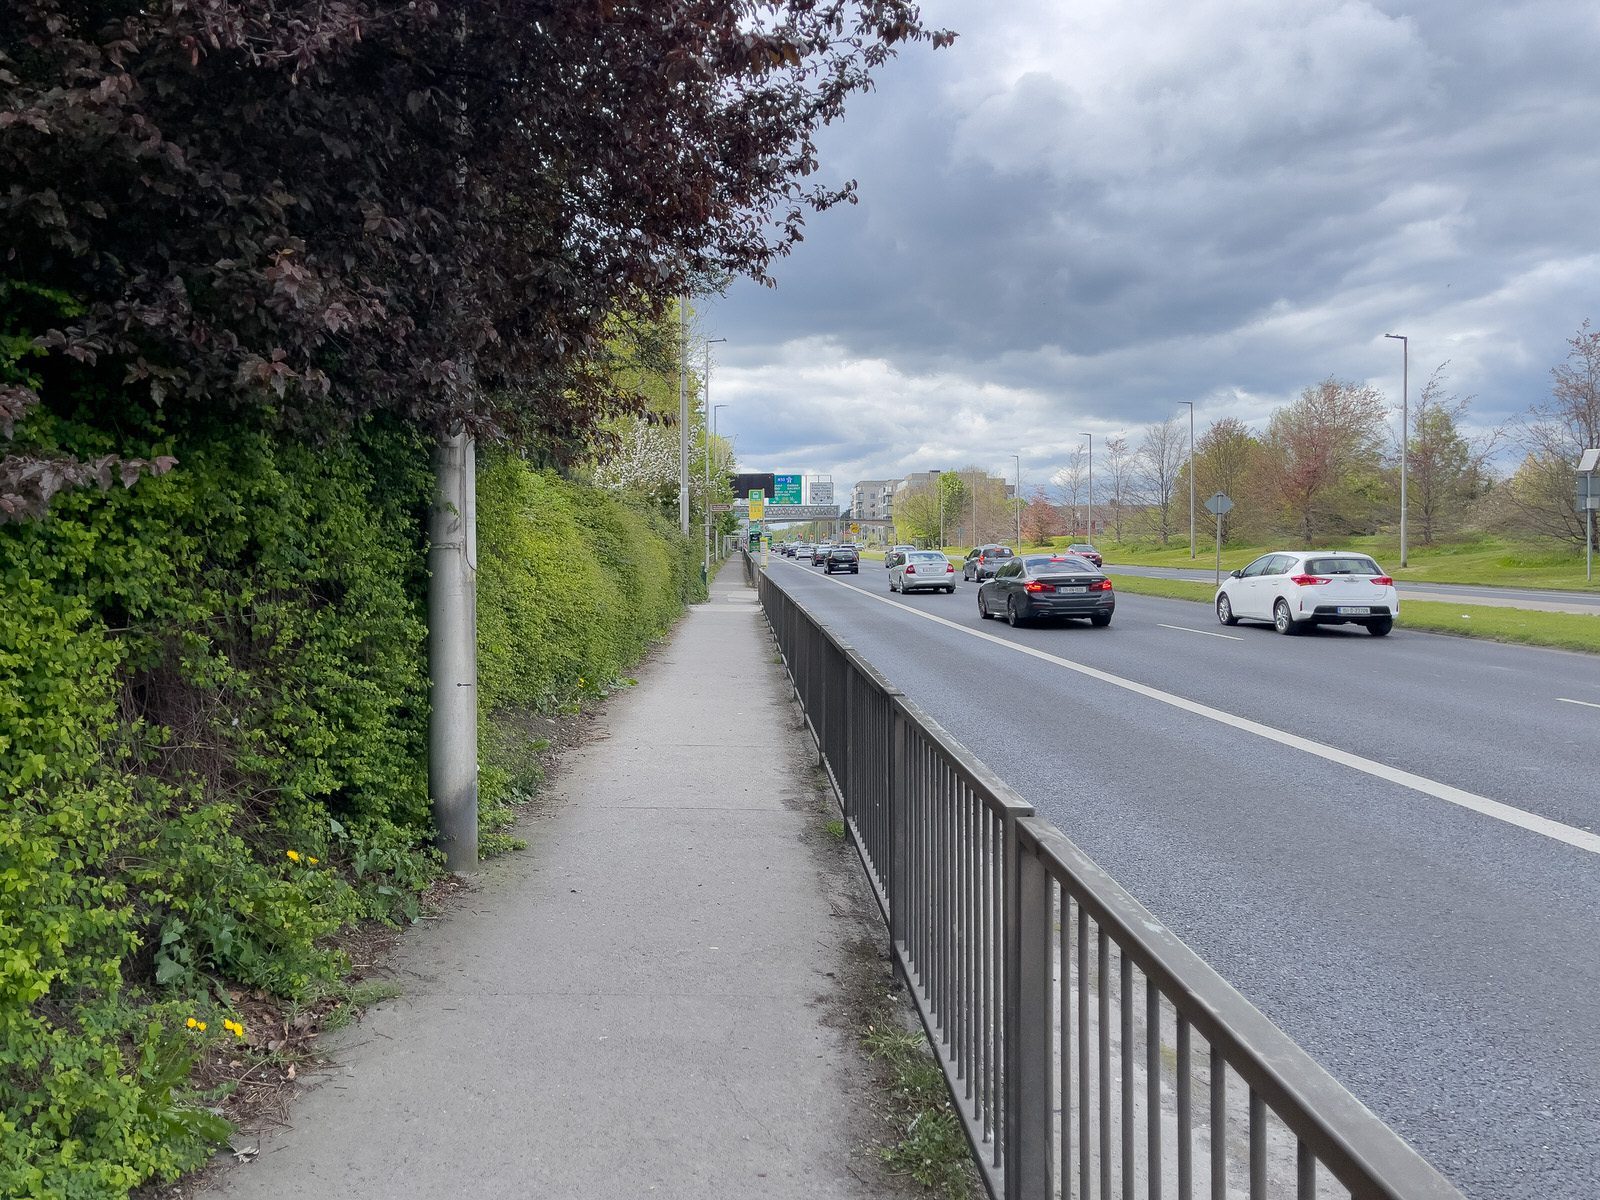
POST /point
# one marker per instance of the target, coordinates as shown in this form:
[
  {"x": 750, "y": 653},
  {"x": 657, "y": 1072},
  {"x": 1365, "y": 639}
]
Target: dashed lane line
[{"x": 1570, "y": 835}]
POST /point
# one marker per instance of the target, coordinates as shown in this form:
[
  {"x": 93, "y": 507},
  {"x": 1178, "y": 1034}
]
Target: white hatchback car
[
  {"x": 921, "y": 571},
  {"x": 1296, "y": 589}
]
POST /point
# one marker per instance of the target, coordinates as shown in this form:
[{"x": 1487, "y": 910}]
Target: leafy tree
[
  {"x": 305, "y": 211},
  {"x": 1040, "y": 519},
  {"x": 1320, "y": 458},
  {"x": 1553, "y": 436},
  {"x": 952, "y": 504},
  {"x": 1445, "y": 470},
  {"x": 1225, "y": 460}
]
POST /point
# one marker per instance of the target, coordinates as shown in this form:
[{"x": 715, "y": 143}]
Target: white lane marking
[
  {"x": 1585, "y": 703},
  {"x": 1207, "y": 632},
  {"x": 1571, "y": 835}
]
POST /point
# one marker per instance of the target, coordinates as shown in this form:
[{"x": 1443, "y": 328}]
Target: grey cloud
[{"x": 1205, "y": 212}]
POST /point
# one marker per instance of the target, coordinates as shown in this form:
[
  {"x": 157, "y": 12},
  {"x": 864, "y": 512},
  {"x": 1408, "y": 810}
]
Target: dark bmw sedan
[{"x": 1034, "y": 586}]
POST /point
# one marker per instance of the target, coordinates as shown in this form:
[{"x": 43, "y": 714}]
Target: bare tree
[
  {"x": 1554, "y": 435},
  {"x": 1118, "y": 469},
  {"x": 1322, "y": 458},
  {"x": 1072, "y": 485},
  {"x": 1157, "y": 463}
]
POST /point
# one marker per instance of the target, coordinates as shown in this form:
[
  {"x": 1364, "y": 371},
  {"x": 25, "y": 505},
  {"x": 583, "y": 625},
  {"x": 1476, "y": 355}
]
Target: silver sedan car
[{"x": 921, "y": 571}]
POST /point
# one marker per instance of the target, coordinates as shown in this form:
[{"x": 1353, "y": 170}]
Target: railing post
[
  {"x": 896, "y": 886},
  {"x": 1011, "y": 1009},
  {"x": 1029, "y": 1026}
]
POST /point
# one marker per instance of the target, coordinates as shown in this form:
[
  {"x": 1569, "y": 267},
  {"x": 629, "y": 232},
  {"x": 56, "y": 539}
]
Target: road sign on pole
[
  {"x": 757, "y": 508},
  {"x": 786, "y": 489},
  {"x": 1218, "y": 506}
]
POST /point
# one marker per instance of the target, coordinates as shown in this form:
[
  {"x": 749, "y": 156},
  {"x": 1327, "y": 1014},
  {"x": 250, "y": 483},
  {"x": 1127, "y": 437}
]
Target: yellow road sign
[{"x": 757, "y": 508}]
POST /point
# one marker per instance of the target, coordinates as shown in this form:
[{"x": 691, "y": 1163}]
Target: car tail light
[
  {"x": 1036, "y": 586},
  {"x": 949, "y": 568},
  {"x": 1308, "y": 580},
  {"x": 1100, "y": 585},
  {"x": 910, "y": 570},
  {"x": 1382, "y": 581}
]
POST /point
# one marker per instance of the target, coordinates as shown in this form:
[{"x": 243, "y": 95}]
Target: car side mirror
[{"x": 1233, "y": 574}]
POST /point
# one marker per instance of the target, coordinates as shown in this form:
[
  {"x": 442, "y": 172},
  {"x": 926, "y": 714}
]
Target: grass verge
[
  {"x": 932, "y": 1148},
  {"x": 1520, "y": 626},
  {"x": 1493, "y": 561}
]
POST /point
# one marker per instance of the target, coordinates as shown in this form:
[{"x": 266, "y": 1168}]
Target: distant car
[
  {"x": 801, "y": 552},
  {"x": 922, "y": 571},
  {"x": 1033, "y": 586},
  {"x": 889, "y": 556},
  {"x": 1296, "y": 589},
  {"x": 819, "y": 553},
  {"x": 842, "y": 558},
  {"x": 983, "y": 561},
  {"x": 1084, "y": 550}
]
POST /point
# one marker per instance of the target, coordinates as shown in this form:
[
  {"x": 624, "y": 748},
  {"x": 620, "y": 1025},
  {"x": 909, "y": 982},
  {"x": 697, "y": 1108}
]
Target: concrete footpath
[{"x": 652, "y": 1000}]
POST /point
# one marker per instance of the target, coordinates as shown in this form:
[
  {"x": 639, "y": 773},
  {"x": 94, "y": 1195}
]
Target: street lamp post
[
  {"x": 1405, "y": 430},
  {"x": 705, "y": 383},
  {"x": 1089, "y": 537},
  {"x": 1190, "y": 403},
  {"x": 1016, "y": 498}
]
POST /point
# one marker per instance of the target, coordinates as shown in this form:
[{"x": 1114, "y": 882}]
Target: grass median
[{"x": 1561, "y": 631}]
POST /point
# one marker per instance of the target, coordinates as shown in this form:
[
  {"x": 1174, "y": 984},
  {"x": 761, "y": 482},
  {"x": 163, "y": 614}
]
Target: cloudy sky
[{"x": 1086, "y": 212}]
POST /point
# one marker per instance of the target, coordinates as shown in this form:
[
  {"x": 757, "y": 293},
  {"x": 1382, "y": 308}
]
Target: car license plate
[
  {"x": 1071, "y": 589},
  {"x": 1354, "y": 610}
]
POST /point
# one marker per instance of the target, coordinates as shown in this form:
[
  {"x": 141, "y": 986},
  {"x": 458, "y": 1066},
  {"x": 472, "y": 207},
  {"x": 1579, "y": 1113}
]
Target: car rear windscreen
[
  {"x": 1057, "y": 562},
  {"x": 1355, "y": 565},
  {"x": 926, "y": 556}
]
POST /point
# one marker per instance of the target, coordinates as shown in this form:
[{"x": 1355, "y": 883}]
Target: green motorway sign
[{"x": 786, "y": 489}]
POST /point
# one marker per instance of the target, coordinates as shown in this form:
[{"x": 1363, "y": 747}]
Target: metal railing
[{"x": 1072, "y": 1027}]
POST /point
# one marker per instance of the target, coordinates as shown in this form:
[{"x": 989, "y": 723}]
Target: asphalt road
[
  {"x": 1415, "y": 903},
  {"x": 1541, "y": 599}
]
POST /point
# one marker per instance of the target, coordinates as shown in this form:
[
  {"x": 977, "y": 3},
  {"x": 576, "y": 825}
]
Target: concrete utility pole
[
  {"x": 453, "y": 611},
  {"x": 1190, "y": 403},
  {"x": 1405, "y": 429},
  {"x": 1089, "y": 537},
  {"x": 705, "y": 384},
  {"x": 683, "y": 414},
  {"x": 453, "y": 650}
]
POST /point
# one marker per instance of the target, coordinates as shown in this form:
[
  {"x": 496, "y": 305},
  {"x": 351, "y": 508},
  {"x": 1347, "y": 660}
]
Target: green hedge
[
  {"x": 574, "y": 584},
  {"x": 213, "y": 712},
  {"x": 197, "y": 676}
]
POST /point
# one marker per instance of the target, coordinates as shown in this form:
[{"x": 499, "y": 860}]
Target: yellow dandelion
[
  {"x": 191, "y": 1023},
  {"x": 294, "y": 855},
  {"x": 313, "y": 860},
  {"x": 200, "y": 1025}
]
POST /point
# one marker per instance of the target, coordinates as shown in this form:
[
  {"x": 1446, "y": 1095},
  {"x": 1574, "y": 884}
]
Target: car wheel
[
  {"x": 855, "y": 570},
  {"x": 1100, "y": 620},
  {"x": 1225, "y": 610},
  {"x": 1282, "y": 621},
  {"x": 891, "y": 585},
  {"x": 1011, "y": 612},
  {"x": 1381, "y": 627},
  {"x": 983, "y": 609},
  {"x": 951, "y": 590}
]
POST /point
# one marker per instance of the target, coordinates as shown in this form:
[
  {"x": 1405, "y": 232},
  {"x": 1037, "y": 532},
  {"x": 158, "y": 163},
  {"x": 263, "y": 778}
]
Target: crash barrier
[{"x": 1089, "y": 1052}]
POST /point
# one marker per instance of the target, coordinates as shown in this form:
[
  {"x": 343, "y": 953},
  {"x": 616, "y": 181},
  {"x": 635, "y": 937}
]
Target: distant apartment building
[{"x": 873, "y": 500}]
